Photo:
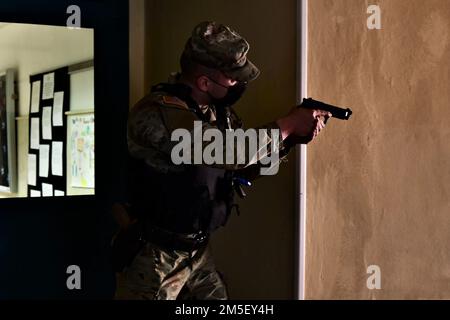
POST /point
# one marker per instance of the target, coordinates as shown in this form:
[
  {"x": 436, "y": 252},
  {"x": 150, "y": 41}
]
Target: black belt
[{"x": 175, "y": 241}]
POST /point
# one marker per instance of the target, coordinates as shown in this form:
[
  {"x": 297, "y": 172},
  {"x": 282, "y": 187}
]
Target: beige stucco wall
[
  {"x": 378, "y": 185},
  {"x": 256, "y": 250}
]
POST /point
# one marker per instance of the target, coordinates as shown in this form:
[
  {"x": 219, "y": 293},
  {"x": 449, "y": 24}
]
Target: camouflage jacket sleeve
[
  {"x": 158, "y": 124},
  {"x": 253, "y": 171}
]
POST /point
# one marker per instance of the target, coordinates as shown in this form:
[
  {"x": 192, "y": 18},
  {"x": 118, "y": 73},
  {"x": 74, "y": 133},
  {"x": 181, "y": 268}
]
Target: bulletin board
[
  {"x": 49, "y": 101},
  {"x": 82, "y": 150},
  {"x": 80, "y": 133}
]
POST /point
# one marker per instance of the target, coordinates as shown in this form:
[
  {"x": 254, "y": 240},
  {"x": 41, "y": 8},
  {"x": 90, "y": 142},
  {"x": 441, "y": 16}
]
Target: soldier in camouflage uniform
[{"x": 178, "y": 206}]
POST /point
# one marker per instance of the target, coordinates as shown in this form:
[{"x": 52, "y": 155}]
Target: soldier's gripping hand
[
  {"x": 319, "y": 126},
  {"x": 302, "y": 125}
]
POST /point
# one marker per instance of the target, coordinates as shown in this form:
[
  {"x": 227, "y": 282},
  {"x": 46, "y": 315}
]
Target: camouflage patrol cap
[{"x": 218, "y": 47}]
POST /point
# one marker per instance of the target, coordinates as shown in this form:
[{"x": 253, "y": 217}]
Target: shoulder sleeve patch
[{"x": 174, "y": 101}]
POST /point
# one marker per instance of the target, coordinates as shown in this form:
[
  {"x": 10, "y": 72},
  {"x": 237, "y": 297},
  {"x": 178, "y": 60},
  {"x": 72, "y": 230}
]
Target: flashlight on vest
[{"x": 238, "y": 183}]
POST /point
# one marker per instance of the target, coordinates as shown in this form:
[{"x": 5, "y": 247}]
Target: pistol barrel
[{"x": 339, "y": 113}]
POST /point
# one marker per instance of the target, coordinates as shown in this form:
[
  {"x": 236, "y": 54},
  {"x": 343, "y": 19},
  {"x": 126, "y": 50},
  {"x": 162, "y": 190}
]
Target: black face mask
[{"x": 233, "y": 95}]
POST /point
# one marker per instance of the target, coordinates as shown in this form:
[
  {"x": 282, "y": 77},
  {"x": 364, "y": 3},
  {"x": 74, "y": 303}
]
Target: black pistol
[{"x": 339, "y": 113}]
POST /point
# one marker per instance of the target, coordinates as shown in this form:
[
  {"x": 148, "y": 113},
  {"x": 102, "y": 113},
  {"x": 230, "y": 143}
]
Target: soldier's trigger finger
[{"x": 322, "y": 113}]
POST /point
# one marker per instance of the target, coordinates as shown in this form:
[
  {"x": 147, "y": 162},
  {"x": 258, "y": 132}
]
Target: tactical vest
[{"x": 200, "y": 198}]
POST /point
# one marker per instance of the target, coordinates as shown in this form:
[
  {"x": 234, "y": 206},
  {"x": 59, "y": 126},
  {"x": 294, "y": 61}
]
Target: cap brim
[{"x": 247, "y": 73}]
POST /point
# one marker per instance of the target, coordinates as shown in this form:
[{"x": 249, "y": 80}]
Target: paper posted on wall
[
  {"x": 47, "y": 190},
  {"x": 59, "y": 193},
  {"x": 34, "y": 134},
  {"x": 49, "y": 86},
  {"x": 32, "y": 169},
  {"x": 58, "y": 100},
  {"x": 57, "y": 158},
  {"x": 35, "y": 96},
  {"x": 82, "y": 151},
  {"x": 47, "y": 123},
  {"x": 44, "y": 151},
  {"x": 35, "y": 193}
]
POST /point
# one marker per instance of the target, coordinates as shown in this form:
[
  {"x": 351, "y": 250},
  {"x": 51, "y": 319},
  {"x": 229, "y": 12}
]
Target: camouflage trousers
[{"x": 160, "y": 274}]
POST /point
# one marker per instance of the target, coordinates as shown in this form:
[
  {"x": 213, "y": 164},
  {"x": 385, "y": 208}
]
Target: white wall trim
[{"x": 301, "y": 151}]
